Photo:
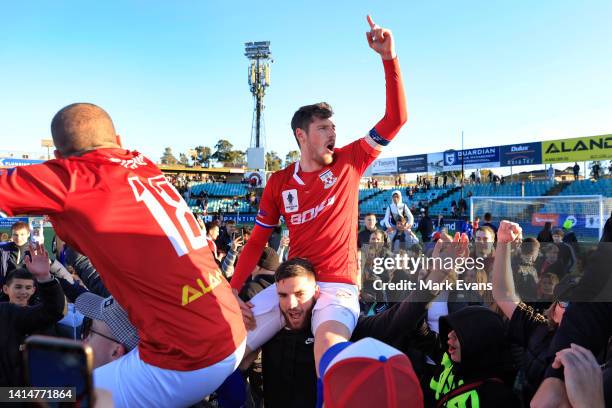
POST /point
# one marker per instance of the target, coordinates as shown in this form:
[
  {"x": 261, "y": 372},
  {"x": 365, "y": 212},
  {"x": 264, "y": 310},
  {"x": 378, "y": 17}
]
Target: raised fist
[{"x": 509, "y": 232}]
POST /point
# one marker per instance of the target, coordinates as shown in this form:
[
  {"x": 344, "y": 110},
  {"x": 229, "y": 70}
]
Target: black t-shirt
[
  {"x": 531, "y": 331},
  {"x": 290, "y": 378}
]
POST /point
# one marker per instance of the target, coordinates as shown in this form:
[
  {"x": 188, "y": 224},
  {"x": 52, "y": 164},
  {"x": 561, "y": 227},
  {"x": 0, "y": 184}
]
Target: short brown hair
[
  {"x": 530, "y": 246},
  {"x": 293, "y": 268},
  {"x": 20, "y": 225},
  {"x": 305, "y": 115}
]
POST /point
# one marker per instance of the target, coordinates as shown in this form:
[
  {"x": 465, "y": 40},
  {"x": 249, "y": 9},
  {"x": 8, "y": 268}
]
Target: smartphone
[
  {"x": 37, "y": 235},
  {"x": 58, "y": 362}
]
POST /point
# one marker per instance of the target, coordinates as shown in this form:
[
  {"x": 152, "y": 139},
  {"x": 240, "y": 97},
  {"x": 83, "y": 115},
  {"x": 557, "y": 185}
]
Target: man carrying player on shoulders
[{"x": 318, "y": 198}]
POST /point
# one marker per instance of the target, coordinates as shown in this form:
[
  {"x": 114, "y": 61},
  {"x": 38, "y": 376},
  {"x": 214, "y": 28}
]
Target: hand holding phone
[{"x": 58, "y": 362}]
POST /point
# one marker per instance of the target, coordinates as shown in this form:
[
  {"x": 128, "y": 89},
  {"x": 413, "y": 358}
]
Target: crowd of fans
[
  {"x": 497, "y": 320},
  {"x": 494, "y": 345}
]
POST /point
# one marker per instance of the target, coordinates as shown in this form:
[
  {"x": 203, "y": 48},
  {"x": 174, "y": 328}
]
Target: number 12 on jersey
[{"x": 178, "y": 223}]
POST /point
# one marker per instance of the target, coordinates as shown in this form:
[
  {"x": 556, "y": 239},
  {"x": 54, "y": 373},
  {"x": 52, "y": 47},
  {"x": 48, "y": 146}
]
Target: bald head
[{"x": 81, "y": 127}]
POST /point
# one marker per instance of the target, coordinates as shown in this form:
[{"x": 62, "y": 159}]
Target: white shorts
[
  {"x": 135, "y": 383},
  {"x": 337, "y": 302}
]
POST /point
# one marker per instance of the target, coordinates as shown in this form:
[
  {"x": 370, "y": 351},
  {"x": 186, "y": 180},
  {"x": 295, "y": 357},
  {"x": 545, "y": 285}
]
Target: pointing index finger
[{"x": 371, "y": 23}]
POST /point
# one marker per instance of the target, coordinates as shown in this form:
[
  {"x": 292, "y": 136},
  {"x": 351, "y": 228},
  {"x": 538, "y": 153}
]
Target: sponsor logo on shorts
[{"x": 341, "y": 293}]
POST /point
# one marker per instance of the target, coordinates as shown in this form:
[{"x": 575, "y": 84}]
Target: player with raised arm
[
  {"x": 318, "y": 198},
  {"x": 116, "y": 207}
]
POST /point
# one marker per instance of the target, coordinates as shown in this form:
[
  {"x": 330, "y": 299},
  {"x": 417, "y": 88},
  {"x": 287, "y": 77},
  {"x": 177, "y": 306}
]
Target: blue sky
[{"x": 173, "y": 73}]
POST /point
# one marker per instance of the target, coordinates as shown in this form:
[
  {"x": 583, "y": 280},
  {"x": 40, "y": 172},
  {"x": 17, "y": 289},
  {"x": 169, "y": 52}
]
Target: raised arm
[
  {"x": 503, "y": 282},
  {"x": 38, "y": 189},
  {"x": 53, "y": 306},
  {"x": 382, "y": 42}
]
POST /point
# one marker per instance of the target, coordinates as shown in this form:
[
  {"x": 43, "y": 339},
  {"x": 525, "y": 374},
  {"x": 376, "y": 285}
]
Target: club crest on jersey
[
  {"x": 290, "y": 199},
  {"x": 328, "y": 178}
]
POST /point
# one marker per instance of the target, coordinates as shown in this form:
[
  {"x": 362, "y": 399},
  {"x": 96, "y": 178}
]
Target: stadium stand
[
  {"x": 378, "y": 203},
  {"x": 589, "y": 187},
  {"x": 219, "y": 189},
  {"x": 535, "y": 188},
  {"x": 221, "y": 197}
]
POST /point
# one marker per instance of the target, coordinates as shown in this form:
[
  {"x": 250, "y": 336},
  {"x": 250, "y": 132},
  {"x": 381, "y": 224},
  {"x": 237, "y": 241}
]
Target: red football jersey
[
  {"x": 320, "y": 210},
  {"x": 117, "y": 208}
]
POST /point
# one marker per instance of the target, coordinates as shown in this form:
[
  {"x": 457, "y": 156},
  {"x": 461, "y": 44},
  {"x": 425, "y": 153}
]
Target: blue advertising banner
[
  {"x": 471, "y": 158},
  {"x": 7, "y": 222},
  {"x": 522, "y": 154},
  {"x": 451, "y": 225},
  {"x": 10, "y": 162},
  {"x": 239, "y": 219},
  {"x": 412, "y": 164}
]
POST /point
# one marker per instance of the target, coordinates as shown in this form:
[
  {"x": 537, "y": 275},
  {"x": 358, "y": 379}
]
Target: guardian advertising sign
[
  {"x": 412, "y": 164},
  {"x": 523, "y": 154},
  {"x": 577, "y": 149},
  {"x": 471, "y": 158}
]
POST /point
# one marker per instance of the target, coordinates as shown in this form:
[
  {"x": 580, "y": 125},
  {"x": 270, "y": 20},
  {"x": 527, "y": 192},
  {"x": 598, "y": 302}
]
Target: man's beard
[{"x": 305, "y": 322}]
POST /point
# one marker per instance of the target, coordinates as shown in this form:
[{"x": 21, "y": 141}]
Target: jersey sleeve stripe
[
  {"x": 378, "y": 139},
  {"x": 261, "y": 224},
  {"x": 372, "y": 144}
]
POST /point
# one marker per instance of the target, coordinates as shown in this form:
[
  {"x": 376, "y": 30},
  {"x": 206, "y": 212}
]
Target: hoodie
[
  {"x": 483, "y": 355},
  {"x": 11, "y": 258},
  {"x": 395, "y": 210}
]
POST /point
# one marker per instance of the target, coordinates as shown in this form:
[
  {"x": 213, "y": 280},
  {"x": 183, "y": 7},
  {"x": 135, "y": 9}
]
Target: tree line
[{"x": 224, "y": 154}]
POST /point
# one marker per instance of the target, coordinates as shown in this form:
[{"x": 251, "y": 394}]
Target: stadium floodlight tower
[{"x": 259, "y": 79}]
